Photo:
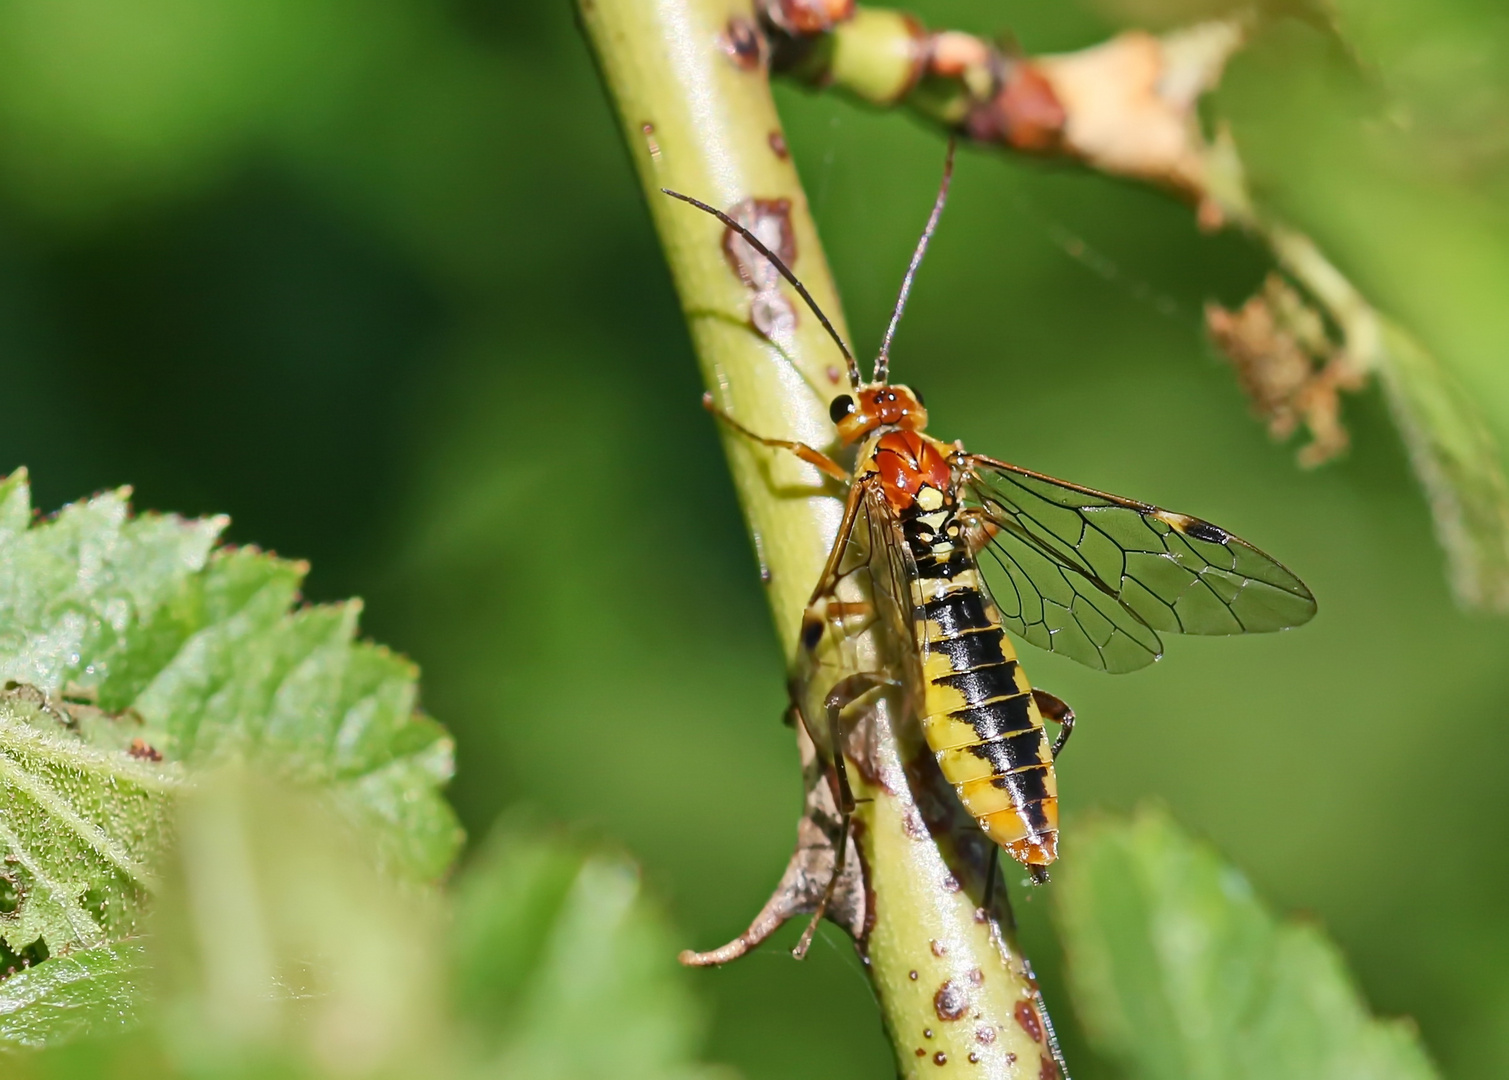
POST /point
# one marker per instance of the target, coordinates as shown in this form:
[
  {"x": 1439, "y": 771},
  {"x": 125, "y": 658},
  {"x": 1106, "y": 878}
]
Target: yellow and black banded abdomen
[{"x": 980, "y": 718}]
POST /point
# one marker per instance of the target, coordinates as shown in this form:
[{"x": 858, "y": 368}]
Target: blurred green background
[{"x": 375, "y": 279}]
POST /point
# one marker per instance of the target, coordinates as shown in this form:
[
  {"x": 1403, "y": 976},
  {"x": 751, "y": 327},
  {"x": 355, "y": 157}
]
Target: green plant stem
[{"x": 697, "y": 114}]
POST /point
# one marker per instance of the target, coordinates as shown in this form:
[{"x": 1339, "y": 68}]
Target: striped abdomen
[
  {"x": 980, "y": 718},
  {"x": 978, "y": 712}
]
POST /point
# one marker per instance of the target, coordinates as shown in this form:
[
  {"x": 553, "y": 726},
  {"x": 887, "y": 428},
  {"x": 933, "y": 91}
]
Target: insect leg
[
  {"x": 829, "y": 577},
  {"x": 994, "y": 881},
  {"x": 979, "y": 530},
  {"x": 801, "y": 450},
  {"x": 1056, "y": 710},
  {"x": 991, "y": 873},
  {"x": 844, "y": 693}
]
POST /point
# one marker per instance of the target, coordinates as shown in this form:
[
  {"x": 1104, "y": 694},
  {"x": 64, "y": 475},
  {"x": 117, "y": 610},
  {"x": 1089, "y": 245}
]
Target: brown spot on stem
[
  {"x": 742, "y": 41},
  {"x": 940, "y": 1058},
  {"x": 1048, "y": 1070},
  {"x": 951, "y": 1001},
  {"x": 912, "y": 975},
  {"x": 974, "y": 1058},
  {"x": 649, "y": 138},
  {"x": 938, "y": 948},
  {"x": 778, "y": 144},
  {"x": 927, "y": 1033},
  {"x": 1027, "y": 1017},
  {"x": 770, "y": 312},
  {"x": 802, "y": 17},
  {"x": 951, "y": 884},
  {"x": 921, "y": 1052},
  {"x": 976, "y": 977},
  {"x": 1026, "y": 114},
  {"x": 1209, "y": 215},
  {"x": 985, "y": 1035}
]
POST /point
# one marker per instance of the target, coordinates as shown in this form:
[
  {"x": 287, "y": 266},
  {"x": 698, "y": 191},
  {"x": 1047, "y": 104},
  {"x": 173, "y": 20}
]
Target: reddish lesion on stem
[{"x": 1125, "y": 106}]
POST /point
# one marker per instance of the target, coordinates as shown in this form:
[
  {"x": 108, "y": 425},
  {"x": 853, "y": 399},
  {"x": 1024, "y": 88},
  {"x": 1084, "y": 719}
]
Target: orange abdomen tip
[
  {"x": 1037, "y": 851},
  {"x": 1027, "y": 845}
]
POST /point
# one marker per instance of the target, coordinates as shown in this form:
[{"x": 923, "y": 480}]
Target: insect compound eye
[{"x": 842, "y": 406}]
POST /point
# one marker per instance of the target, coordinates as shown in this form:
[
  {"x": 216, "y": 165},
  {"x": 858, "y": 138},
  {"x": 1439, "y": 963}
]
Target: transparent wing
[
  {"x": 892, "y": 571},
  {"x": 1096, "y": 576},
  {"x": 861, "y": 617}
]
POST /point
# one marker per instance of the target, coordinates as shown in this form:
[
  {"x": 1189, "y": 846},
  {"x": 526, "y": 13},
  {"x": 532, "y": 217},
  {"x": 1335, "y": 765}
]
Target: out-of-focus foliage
[
  {"x": 105, "y": 102},
  {"x": 562, "y": 971},
  {"x": 1178, "y": 970},
  {"x": 278, "y": 949},
  {"x": 398, "y": 309},
  {"x": 132, "y": 651},
  {"x": 81, "y": 827}
]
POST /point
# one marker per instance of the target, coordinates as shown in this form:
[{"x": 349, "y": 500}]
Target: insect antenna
[
  {"x": 883, "y": 361},
  {"x": 775, "y": 260}
]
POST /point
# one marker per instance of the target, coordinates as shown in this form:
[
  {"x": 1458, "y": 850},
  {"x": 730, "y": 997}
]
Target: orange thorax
[{"x": 906, "y": 463}]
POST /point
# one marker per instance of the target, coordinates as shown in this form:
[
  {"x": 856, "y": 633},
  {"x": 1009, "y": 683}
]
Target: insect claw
[
  {"x": 818, "y": 877},
  {"x": 1054, "y": 708},
  {"x": 799, "y": 951}
]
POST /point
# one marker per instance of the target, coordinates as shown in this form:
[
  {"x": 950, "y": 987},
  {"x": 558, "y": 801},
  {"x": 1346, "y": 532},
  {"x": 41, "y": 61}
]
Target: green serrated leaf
[
  {"x": 91, "y": 991},
  {"x": 75, "y": 591},
  {"x": 1180, "y": 972},
  {"x": 136, "y": 656},
  {"x": 80, "y": 831}
]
